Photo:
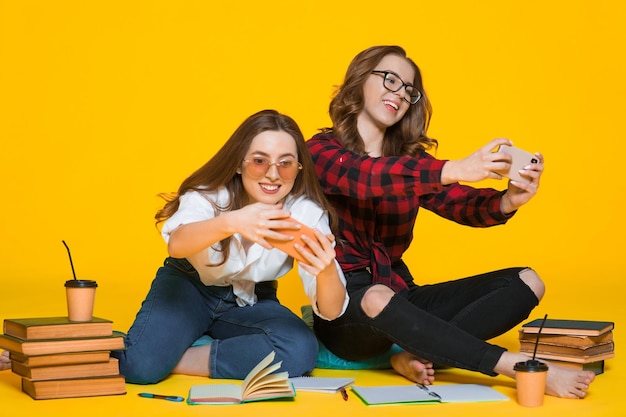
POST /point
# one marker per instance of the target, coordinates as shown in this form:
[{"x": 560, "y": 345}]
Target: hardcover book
[
  {"x": 56, "y": 328},
  {"x": 60, "y": 358},
  {"x": 259, "y": 385},
  {"x": 567, "y": 350},
  {"x": 575, "y": 359},
  {"x": 566, "y": 340},
  {"x": 79, "y": 387},
  {"x": 82, "y": 370},
  {"x": 568, "y": 327},
  {"x": 597, "y": 367},
  {"x": 50, "y": 346}
]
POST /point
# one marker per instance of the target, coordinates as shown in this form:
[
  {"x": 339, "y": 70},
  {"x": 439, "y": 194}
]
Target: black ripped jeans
[{"x": 446, "y": 323}]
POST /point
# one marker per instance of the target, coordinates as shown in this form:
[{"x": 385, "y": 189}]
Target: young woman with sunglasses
[
  {"x": 212, "y": 309},
  {"x": 375, "y": 170}
]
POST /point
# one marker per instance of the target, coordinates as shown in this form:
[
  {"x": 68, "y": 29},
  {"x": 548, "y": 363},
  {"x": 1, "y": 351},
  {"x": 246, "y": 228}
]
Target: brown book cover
[
  {"x": 570, "y": 327},
  {"x": 60, "y": 358},
  {"x": 575, "y": 359},
  {"x": 56, "y": 328},
  {"x": 566, "y": 340},
  {"x": 78, "y": 387},
  {"x": 597, "y": 367},
  {"x": 82, "y": 370},
  {"x": 50, "y": 346},
  {"x": 568, "y": 350}
]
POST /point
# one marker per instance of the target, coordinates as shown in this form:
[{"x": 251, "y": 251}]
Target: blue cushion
[
  {"x": 202, "y": 341},
  {"x": 328, "y": 360}
]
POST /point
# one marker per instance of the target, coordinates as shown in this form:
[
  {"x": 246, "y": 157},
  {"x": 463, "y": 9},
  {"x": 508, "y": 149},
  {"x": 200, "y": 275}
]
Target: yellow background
[{"x": 105, "y": 104}]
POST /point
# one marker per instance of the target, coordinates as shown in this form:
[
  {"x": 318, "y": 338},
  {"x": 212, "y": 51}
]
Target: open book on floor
[
  {"x": 420, "y": 394},
  {"x": 260, "y": 384}
]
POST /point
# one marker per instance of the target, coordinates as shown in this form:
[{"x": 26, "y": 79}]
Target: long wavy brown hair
[
  {"x": 405, "y": 138},
  {"x": 221, "y": 170}
]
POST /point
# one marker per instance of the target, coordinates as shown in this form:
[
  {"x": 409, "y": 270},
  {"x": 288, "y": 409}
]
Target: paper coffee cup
[
  {"x": 530, "y": 377},
  {"x": 81, "y": 295}
]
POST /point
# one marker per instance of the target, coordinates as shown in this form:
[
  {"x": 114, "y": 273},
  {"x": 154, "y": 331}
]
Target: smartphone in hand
[
  {"x": 288, "y": 246},
  {"x": 521, "y": 158}
]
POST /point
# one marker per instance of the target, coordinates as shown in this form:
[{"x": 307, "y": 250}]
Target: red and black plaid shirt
[{"x": 377, "y": 200}]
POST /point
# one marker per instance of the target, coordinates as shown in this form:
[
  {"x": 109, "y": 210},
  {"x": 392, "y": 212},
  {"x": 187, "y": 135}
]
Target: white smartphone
[{"x": 521, "y": 158}]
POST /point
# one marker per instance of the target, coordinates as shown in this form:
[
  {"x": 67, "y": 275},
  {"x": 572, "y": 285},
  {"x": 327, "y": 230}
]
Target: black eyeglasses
[{"x": 393, "y": 83}]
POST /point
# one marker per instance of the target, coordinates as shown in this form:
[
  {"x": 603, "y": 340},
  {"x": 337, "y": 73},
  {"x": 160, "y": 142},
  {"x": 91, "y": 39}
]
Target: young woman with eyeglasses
[
  {"x": 375, "y": 170},
  {"x": 212, "y": 309}
]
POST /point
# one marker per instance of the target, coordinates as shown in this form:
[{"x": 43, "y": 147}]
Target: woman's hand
[
  {"x": 320, "y": 261},
  {"x": 320, "y": 254},
  {"x": 480, "y": 165},
  {"x": 253, "y": 222},
  {"x": 519, "y": 193},
  {"x": 259, "y": 221}
]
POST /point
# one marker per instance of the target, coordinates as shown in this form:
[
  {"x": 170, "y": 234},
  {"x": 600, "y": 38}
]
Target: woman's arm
[
  {"x": 343, "y": 172},
  {"x": 191, "y": 238},
  {"x": 321, "y": 275},
  {"x": 195, "y": 227},
  {"x": 330, "y": 289}
]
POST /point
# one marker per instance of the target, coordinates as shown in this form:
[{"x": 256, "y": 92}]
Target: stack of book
[
  {"x": 582, "y": 344},
  {"x": 57, "y": 358}
]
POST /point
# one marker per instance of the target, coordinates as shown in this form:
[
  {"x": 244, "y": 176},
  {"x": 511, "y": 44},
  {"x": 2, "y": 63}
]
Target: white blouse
[{"x": 242, "y": 269}]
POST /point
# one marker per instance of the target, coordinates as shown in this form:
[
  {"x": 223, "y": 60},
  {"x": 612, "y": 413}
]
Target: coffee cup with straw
[
  {"x": 80, "y": 294},
  {"x": 530, "y": 377}
]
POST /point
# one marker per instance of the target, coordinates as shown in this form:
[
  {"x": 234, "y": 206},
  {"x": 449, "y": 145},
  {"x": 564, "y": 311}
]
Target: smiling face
[
  {"x": 270, "y": 186},
  {"x": 383, "y": 108}
]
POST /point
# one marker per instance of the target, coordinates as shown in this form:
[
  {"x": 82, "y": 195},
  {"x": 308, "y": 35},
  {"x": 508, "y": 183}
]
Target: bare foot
[
  {"x": 413, "y": 368},
  {"x": 567, "y": 382},
  {"x": 5, "y": 362},
  {"x": 561, "y": 382}
]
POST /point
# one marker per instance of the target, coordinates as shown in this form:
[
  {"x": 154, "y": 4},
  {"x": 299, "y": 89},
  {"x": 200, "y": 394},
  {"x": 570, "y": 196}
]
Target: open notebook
[
  {"x": 320, "y": 384},
  {"x": 419, "y": 394}
]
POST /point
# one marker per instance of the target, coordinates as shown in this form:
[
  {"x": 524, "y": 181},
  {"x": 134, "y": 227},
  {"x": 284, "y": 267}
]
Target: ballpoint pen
[
  {"x": 344, "y": 393},
  {"x": 174, "y": 398}
]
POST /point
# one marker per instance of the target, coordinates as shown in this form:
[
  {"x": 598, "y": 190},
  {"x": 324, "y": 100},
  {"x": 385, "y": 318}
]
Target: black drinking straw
[
  {"x": 538, "y": 334},
  {"x": 70, "y": 255}
]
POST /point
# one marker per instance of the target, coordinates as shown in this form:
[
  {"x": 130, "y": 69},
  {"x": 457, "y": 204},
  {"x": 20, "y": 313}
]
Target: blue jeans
[
  {"x": 179, "y": 309},
  {"x": 446, "y": 323}
]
